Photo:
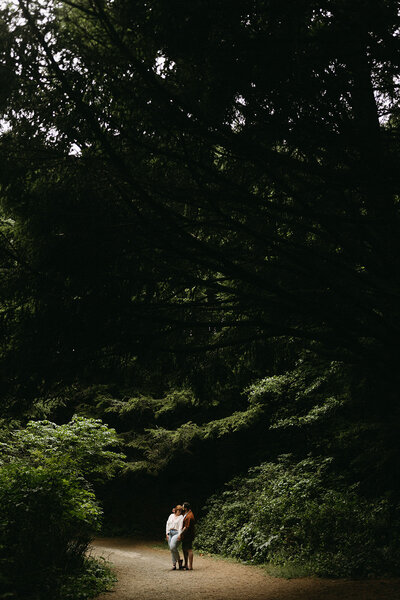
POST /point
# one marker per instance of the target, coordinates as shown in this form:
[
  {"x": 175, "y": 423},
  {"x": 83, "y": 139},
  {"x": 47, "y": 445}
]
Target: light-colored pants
[{"x": 173, "y": 545}]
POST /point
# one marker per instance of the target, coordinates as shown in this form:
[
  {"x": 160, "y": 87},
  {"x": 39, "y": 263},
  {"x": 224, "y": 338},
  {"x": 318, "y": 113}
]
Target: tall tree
[{"x": 240, "y": 162}]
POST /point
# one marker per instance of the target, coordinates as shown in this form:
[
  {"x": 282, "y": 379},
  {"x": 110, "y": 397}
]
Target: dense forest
[{"x": 199, "y": 299}]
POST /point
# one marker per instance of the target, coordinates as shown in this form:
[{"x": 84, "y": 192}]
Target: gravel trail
[{"x": 144, "y": 573}]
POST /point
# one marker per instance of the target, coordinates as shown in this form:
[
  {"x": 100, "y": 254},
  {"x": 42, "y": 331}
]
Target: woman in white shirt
[{"x": 173, "y": 531}]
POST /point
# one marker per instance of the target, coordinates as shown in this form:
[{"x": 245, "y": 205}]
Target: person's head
[
  {"x": 173, "y": 510},
  {"x": 178, "y": 509},
  {"x": 186, "y": 506}
]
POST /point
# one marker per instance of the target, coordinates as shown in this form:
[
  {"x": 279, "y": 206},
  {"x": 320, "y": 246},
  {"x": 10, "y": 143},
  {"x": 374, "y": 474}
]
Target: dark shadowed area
[{"x": 199, "y": 285}]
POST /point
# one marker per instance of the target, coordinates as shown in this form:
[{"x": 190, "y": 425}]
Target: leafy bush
[
  {"x": 82, "y": 446},
  {"x": 94, "y": 577},
  {"x": 46, "y": 523},
  {"x": 287, "y": 514},
  {"x": 48, "y": 511}
]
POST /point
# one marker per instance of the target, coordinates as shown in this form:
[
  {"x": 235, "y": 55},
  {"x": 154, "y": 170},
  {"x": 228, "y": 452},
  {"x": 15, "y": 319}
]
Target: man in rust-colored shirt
[{"x": 187, "y": 536}]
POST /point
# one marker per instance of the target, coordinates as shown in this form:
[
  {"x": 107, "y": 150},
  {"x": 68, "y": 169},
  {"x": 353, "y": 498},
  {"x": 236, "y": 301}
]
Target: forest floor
[{"x": 144, "y": 573}]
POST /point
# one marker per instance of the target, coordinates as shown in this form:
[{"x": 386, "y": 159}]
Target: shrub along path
[{"x": 144, "y": 574}]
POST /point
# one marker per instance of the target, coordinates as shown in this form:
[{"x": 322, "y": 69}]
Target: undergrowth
[{"x": 289, "y": 517}]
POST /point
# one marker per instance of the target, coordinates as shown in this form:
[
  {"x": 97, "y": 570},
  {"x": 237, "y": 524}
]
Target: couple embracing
[{"x": 180, "y": 527}]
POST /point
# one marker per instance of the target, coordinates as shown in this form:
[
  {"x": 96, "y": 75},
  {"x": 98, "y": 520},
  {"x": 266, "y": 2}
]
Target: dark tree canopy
[
  {"x": 199, "y": 245},
  {"x": 242, "y": 160},
  {"x": 203, "y": 193}
]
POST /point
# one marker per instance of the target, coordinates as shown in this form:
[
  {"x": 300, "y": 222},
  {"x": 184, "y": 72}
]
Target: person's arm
[
  {"x": 183, "y": 528},
  {"x": 180, "y": 526},
  {"x": 167, "y": 527}
]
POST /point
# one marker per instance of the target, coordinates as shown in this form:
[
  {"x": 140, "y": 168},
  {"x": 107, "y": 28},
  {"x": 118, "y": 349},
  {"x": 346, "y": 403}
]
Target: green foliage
[
  {"x": 48, "y": 511},
  {"x": 157, "y": 446},
  {"x": 290, "y": 514},
  {"x": 95, "y": 577},
  {"x": 167, "y": 194},
  {"x": 146, "y": 409},
  {"x": 47, "y": 520},
  {"x": 309, "y": 394},
  {"x": 180, "y": 179},
  {"x": 80, "y": 446}
]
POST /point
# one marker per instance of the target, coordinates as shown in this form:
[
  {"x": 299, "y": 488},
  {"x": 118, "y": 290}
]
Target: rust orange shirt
[{"x": 188, "y": 524}]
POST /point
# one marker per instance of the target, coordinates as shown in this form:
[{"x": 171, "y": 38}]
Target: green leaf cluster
[
  {"x": 48, "y": 509},
  {"x": 81, "y": 446},
  {"x": 292, "y": 514}
]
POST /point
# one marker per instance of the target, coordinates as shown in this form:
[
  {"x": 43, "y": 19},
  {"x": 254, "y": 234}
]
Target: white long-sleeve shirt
[{"x": 174, "y": 522}]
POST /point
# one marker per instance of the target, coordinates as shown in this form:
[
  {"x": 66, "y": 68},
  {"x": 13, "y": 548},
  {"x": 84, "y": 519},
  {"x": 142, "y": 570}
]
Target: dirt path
[{"x": 144, "y": 574}]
